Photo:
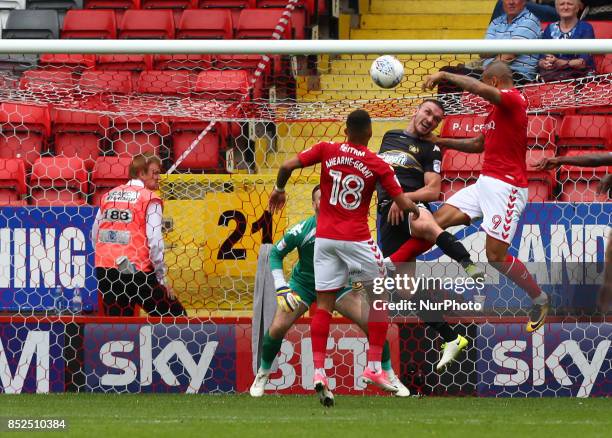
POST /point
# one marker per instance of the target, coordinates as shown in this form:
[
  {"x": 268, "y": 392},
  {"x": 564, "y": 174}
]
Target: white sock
[
  {"x": 263, "y": 371},
  {"x": 374, "y": 366},
  {"x": 541, "y": 299}
]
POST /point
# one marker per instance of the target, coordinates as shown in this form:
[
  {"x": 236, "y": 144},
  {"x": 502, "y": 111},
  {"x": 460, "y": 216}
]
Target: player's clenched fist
[{"x": 287, "y": 300}]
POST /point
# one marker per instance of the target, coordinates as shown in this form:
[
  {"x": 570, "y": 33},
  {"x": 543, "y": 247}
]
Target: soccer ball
[{"x": 387, "y": 71}]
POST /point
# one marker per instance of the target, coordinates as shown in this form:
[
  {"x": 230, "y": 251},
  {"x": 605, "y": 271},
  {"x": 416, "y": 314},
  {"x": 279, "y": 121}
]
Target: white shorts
[
  {"x": 336, "y": 260},
  {"x": 499, "y": 204}
]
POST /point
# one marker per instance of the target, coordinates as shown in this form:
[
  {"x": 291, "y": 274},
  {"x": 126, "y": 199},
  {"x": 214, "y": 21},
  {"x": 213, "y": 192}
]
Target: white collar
[{"x": 135, "y": 182}]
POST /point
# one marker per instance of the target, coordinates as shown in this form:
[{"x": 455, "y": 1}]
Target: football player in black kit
[{"x": 417, "y": 165}]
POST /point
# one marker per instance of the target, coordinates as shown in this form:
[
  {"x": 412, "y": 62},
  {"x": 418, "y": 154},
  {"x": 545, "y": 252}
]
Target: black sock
[
  {"x": 445, "y": 330},
  {"x": 453, "y": 248}
]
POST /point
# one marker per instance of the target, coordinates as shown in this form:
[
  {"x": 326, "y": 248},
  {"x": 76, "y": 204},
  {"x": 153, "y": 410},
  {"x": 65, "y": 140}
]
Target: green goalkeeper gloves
[{"x": 287, "y": 300}]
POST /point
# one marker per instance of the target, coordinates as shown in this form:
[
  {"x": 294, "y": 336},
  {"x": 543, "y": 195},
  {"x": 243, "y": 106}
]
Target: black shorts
[
  {"x": 121, "y": 292},
  {"x": 391, "y": 237}
]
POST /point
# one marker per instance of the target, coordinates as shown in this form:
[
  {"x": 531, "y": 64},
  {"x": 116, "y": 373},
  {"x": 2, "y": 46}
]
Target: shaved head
[{"x": 498, "y": 70}]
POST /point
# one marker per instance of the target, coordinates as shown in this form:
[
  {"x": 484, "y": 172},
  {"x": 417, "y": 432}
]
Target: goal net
[{"x": 222, "y": 125}]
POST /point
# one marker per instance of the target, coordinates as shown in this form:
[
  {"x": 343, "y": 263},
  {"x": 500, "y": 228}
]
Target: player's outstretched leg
[
  {"x": 272, "y": 341},
  {"x": 515, "y": 270},
  {"x": 353, "y": 306},
  {"x": 427, "y": 228},
  {"x": 378, "y": 325},
  {"x": 450, "y": 351},
  {"x": 319, "y": 332}
]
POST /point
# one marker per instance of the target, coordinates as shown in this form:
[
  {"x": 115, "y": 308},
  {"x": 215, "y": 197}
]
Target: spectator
[
  {"x": 545, "y": 12},
  {"x": 568, "y": 66},
  {"x": 515, "y": 23},
  {"x": 130, "y": 247}
]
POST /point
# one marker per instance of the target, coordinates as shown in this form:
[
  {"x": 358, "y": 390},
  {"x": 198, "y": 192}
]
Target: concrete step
[
  {"x": 412, "y": 22},
  {"x": 416, "y": 34},
  {"x": 428, "y": 7}
]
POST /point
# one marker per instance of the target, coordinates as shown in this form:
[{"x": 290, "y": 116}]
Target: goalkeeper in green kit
[{"x": 294, "y": 299}]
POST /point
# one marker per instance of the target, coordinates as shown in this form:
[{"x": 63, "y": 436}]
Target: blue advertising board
[
  {"x": 563, "y": 246},
  {"x": 560, "y": 359},
  {"x": 193, "y": 358},
  {"x": 31, "y": 358},
  {"x": 43, "y": 249}
]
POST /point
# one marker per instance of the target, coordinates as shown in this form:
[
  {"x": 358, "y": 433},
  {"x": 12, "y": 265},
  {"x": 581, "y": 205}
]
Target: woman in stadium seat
[{"x": 559, "y": 67}]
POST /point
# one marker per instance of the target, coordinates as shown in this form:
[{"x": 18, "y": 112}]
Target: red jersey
[
  {"x": 349, "y": 173},
  {"x": 505, "y": 144}
]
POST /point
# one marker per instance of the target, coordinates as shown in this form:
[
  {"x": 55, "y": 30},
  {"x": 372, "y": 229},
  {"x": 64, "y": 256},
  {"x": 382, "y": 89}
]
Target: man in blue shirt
[{"x": 516, "y": 23}]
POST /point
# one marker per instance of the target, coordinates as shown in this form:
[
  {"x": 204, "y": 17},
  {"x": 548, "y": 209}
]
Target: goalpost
[{"x": 223, "y": 116}]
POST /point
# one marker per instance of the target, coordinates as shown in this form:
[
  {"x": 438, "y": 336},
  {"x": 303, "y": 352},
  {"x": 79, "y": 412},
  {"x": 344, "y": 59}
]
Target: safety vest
[{"x": 123, "y": 227}]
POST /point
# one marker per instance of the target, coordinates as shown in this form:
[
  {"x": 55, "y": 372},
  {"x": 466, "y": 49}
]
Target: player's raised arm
[
  {"x": 586, "y": 160},
  {"x": 496, "y": 77},
  {"x": 278, "y": 196},
  {"x": 474, "y": 145}
]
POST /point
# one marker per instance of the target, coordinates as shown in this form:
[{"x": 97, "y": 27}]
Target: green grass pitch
[{"x": 147, "y": 415}]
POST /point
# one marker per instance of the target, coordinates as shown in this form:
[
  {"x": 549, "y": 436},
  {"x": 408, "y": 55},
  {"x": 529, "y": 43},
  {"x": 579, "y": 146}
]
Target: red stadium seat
[
  {"x": 592, "y": 93},
  {"x": 205, "y": 24},
  {"x": 225, "y": 84},
  {"x": 167, "y": 4},
  {"x": 579, "y": 184},
  {"x": 603, "y": 64},
  {"x": 459, "y": 170},
  {"x": 107, "y": 81},
  {"x": 108, "y": 172},
  {"x": 69, "y": 62},
  {"x": 553, "y": 97},
  {"x": 451, "y": 185},
  {"x": 541, "y": 182},
  {"x": 226, "y": 4},
  {"x": 135, "y": 135},
  {"x": 59, "y": 181},
  {"x": 12, "y": 182},
  {"x": 299, "y": 17},
  {"x": 475, "y": 104},
  {"x": 182, "y": 62},
  {"x": 585, "y": 131},
  {"x": 175, "y": 83},
  {"x": 602, "y": 29},
  {"x": 24, "y": 130},
  {"x": 459, "y": 126},
  {"x": 89, "y": 24},
  {"x": 310, "y": 5},
  {"x": 50, "y": 83},
  {"x": 111, "y": 4},
  {"x": 78, "y": 134},
  {"x": 541, "y": 131},
  {"x": 124, "y": 62},
  {"x": 207, "y": 154},
  {"x": 261, "y": 24},
  {"x": 148, "y": 24},
  {"x": 460, "y": 164}
]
